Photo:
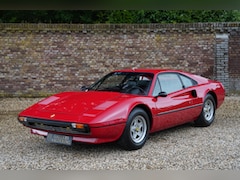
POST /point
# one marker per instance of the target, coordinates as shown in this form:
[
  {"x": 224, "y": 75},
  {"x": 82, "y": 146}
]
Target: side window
[
  {"x": 170, "y": 82},
  {"x": 156, "y": 89},
  {"x": 187, "y": 82}
]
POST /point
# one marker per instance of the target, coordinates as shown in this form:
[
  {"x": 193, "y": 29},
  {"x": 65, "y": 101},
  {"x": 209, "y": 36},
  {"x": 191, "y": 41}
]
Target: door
[{"x": 177, "y": 102}]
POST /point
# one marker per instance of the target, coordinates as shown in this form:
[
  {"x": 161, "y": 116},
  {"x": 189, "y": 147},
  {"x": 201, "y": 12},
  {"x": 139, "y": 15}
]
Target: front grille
[{"x": 54, "y": 126}]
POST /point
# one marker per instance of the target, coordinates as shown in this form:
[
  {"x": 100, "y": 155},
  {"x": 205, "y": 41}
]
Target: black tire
[
  {"x": 136, "y": 131},
  {"x": 207, "y": 115}
]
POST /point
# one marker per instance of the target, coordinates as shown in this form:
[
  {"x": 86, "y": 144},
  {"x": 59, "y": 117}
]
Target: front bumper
[
  {"x": 88, "y": 134},
  {"x": 55, "y": 126},
  {"x": 90, "y": 140}
]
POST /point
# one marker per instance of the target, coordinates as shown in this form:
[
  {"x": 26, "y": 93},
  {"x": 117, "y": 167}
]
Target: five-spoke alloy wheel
[
  {"x": 207, "y": 115},
  {"x": 136, "y": 131}
]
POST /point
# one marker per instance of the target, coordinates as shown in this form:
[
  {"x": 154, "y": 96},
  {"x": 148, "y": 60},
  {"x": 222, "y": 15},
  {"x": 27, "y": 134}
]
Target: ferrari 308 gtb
[{"x": 125, "y": 106}]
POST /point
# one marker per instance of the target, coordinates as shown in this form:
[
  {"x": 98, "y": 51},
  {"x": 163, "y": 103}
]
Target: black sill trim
[{"x": 180, "y": 109}]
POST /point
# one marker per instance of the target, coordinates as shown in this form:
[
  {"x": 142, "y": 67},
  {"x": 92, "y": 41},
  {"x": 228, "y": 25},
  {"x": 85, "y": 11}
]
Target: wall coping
[{"x": 86, "y": 28}]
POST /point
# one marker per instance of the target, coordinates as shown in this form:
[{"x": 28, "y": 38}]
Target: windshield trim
[{"x": 127, "y": 76}]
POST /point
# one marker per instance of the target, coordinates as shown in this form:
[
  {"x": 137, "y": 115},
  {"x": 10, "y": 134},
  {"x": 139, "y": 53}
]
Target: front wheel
[
  {"x": 207, "y": 115},
  {"x": 136, "y": 131}
]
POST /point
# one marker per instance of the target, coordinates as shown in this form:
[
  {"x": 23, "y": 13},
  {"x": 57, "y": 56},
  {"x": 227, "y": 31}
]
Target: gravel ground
[{"x": 181, "y": 148}]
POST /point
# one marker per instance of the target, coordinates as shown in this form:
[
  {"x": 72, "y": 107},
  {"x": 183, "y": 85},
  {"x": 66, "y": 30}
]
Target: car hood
[
  {"x": 95, "y": 108},
  {"x": 77, "y": 103}
]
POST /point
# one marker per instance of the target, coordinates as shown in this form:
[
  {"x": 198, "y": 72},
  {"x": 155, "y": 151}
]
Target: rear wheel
[
  {"x": 136, "y": 131},
  {"x": 207, "y": 115}
]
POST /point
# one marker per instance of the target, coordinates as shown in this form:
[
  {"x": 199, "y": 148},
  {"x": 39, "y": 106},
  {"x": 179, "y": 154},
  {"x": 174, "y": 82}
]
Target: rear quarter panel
[{"x": 213, "y": 87}]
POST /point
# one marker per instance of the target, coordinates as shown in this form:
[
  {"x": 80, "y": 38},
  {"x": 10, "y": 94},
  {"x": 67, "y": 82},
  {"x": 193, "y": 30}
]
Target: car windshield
[{"x": 124, "y": 82}]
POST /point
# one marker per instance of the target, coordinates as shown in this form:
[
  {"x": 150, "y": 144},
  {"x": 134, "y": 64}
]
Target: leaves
[{"x": 118, "y": 16}]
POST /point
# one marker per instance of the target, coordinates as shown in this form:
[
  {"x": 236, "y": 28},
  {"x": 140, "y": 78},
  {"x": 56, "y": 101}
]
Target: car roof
[{"x": 145, "y": 70}]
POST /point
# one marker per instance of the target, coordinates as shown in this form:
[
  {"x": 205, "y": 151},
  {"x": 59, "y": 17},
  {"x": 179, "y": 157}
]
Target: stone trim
[
  {"x": 221, "y": 59},
  {"x": 94, "y": 28}
]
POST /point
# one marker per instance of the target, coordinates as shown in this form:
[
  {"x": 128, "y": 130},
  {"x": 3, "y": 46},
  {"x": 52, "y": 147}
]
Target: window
[
  {"x": 125, "y": 82},
  {"x": 170, "y": 82},
  {"x": 111, "y": 81},
  {"x": 187, "y": 82},
  {"x": 156, "y": 89}
]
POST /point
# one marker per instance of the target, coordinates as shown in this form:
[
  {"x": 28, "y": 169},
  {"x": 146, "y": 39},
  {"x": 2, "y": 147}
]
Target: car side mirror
[{"x": 162, "y": 94}]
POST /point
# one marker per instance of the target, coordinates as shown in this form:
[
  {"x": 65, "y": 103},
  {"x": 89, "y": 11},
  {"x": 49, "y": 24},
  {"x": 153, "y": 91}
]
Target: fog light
[
  {"x": 22, "y": 119},
  {"x": 83, "y": 128},
  {"x": 78, "y": 126}
]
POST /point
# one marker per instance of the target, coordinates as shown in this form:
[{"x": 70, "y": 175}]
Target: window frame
[
  {"x": 179, "y": 75},
  {"x": 192, "y": 80}
]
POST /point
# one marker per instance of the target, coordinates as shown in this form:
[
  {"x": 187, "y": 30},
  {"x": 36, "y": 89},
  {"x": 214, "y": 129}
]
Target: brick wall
[
  {"x": 41, "y": 59},
  {"x": 234, "y": 60}
]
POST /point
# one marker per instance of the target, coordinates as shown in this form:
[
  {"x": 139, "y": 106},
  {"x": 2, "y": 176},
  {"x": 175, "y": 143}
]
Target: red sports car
[{"x": 125, "y": 106}]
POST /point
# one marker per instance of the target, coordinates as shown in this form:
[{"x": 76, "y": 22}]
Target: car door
[{"x": 176, "y": 103}]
